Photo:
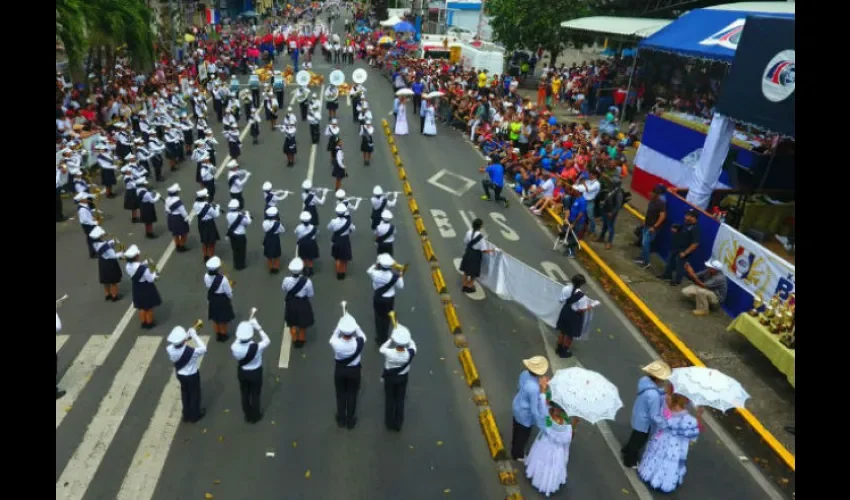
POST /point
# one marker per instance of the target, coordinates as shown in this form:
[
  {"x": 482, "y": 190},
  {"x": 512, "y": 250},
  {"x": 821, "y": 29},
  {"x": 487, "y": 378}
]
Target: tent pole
[{"x": 629, "y": 87}]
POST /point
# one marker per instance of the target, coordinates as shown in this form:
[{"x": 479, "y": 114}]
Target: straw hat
[
  {"x": 658, "y": 369},
  {"x": 537, "y": 365}
]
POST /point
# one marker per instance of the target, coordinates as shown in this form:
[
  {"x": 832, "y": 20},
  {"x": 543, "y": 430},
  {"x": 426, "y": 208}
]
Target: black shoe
[
  {"x": 134, "y": 220},
  {"x": 200, "y": 416},
  {"x": 340, "y": 276},
  {"x": 117, "y": 298},
  {"x": 108, "y": 298},
  {"x": 221, "y": 337},
  {"x": 675, "y": 283},
  {"x": 206, "y": 258},
  {"x": 351, "y": 423},
  {"x": 340, "y": 421},
  {"x": 63, "y": 219},
  {"x": 507, "y": 203},
  {"x": 92, "y": 255},
  {"x": 275, "y": 271},
  {"x": 565, "y": 353},
  {"x": 59, "y": 393},
  {"x": 150, "y": 236}
]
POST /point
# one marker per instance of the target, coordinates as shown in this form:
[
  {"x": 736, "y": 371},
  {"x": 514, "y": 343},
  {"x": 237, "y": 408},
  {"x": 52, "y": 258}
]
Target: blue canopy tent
[{"x": 404, "y": 27}]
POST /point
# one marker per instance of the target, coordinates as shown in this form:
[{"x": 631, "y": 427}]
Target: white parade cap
[
  {"x": 386, "y": 260},
  {"x": 347, "y": 324},
  {"x": 75, "y": 171},
  {"x": 232, "y": 164},
  {"x": 82, "y": 196},
  {"x": 305, "y": 217},
  {"x": 214, "y": 263},
  {"x": 341, "y": 209},
  {"x": 130, "y": 156},
  {"x": 333, "y": 121},
  {"x": 386, "y": 215},
  {"x": 174, "y": 188},
  {"x": 178, "y": 335},
  {"x": 377, "y": 191},
  {"x": 400, "y": 335},
  {"x": 96, "y": 233},
  {"x": 296, "y": 265},
  {"x": 267, "y": 186},
  {"x": 340, "y": 194},
  {"x": 244, "y": 331},
  {"x": 137, "y": 140},
  {"x": 132, "y": 252},
  {"x": 306, "y": 185},
  {"x": 119, "y": 125},
  {"x": 233, "y": 205},
  {"x": 368, "y": 122},
  {"x": 203, "y": 193},
  {"x": 271, "y": 211},
  {"x": 141, "y": 181}
]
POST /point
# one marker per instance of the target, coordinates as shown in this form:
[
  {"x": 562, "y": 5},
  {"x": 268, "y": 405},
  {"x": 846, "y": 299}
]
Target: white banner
[{"x": 751, "y": 266}]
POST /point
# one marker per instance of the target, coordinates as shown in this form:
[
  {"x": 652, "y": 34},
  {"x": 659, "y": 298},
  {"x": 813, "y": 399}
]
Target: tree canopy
[{"x": 528, "y": 24}]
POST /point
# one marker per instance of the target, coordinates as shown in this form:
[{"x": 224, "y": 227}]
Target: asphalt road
[{"x": 118, "y": 429}]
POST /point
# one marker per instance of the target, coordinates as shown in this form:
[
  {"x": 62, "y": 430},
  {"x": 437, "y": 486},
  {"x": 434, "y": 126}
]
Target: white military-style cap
[
  {"x": 203, "y": 193},
  {"x": 75, "y": 172},
  {"x": 377, "y": 191},
  {"x": 347, "y": 325},
  {"x": 178, "y": 335},
  {"x": 341, "y": 209},
  {"x": 138, "y": 140},
  {"x": 141, "y": 181},
  {"x": 307, "y": 185},
  {"x": 82, "y": 196},
  {"x": 233, "y": 205},
  {"x": 296, "y": 265},
  {"x": 130, "y": 156},
  {"x": 119, "y": 125},
  {"x": 174, "y": 188},
  {"x": 271, "y": 212},
  {"x": 340, "y": 194},
  {"x": 267, "y": 186},
  {"x": 333, "y": 121},
  {"x": 368, "y": 122},
  {"x": 305, "y": 217},
  {"x": 233, "y": 164},
  {"x": 96, "y": 233},
  {"x": 244, "y": 331},
  {"x": 386, "y": 260},
  {"x": 132, "y": 252},
  {"x": 386, "y": 215},
  {"x": 400, "y": 335},
  {"x": 213, "y": 264}
]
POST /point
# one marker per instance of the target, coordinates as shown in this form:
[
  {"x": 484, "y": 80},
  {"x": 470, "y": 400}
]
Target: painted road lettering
[
  {"x": 444, "y": 225},
  {"x": 500, "y": 220},
  {"x": 554, "y": 271},
  {"x": 451, "y": 182}
]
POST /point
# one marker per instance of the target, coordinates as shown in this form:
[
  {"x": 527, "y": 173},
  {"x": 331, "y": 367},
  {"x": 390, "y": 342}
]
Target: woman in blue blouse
[{"x": 526, "y": 405}]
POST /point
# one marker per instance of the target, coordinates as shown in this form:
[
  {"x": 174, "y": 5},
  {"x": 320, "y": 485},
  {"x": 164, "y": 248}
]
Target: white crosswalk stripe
[{"x": 60, "y": 341}]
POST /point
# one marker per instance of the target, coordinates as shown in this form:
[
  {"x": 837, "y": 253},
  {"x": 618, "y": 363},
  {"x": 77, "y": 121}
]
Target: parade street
[{"x": 119, "y": 433}]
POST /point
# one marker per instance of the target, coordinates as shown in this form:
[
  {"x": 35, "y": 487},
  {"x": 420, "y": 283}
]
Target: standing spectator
[
  {"x": 574, "y": 216},
  {"x": 656, "y": 214},
  {"x": 709, "y": 287},
  {"x": 609, "y": 208},
  {"x": 526, "y": 404},
  {"x": 685, "y": 243},
  {"x": 590, "y": 190}
]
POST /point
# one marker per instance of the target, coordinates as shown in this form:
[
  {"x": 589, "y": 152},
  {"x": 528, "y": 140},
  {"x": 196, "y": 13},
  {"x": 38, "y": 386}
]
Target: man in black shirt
[
  {"x": 685, "y": 243},
  {"x": 656, "y": 214}
]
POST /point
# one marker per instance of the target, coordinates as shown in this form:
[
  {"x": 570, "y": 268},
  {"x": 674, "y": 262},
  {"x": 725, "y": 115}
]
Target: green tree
[{"x": 529, "y": 24}]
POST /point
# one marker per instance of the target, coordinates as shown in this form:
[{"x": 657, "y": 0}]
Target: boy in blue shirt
[
  {"x": 575, "y": 216},
  {"x": 496, "y": 180}
]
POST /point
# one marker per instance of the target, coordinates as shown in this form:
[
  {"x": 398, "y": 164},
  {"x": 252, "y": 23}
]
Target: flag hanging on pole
[{"x": 213, "y": 16}]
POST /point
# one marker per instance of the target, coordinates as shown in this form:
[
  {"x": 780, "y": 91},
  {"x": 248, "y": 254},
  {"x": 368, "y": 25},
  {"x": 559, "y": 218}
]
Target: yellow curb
[
  {"x": 439, "y": 282},
  {"x": 390, "y": 140},
  {"x": 470, "y": 372},
  {"x": 429, "y": 251},
  {"x": 407, "y": 189},
  {"x": 402, "y": 174},
  {"x": 385, "y": 123},
  {"x": 411, "y": 204},
  {"x": 491, "y": 434},
  {"x": 394, "y": 149},
  {"x": 451, "y": 318},
  {"x": 398, "y": 162},
  {"x": 507, "y": 478},
  {"x": 420, "y": 226}
]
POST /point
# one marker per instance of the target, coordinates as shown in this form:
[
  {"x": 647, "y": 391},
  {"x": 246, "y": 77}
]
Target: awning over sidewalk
[{"x": 621, "y": 26}]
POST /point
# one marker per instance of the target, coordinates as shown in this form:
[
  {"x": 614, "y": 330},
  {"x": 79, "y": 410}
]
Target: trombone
[{"x": 391, "y": 314}]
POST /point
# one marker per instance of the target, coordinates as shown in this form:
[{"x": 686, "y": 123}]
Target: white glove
[
  {"x": 119, "y": 254},
  {"x": 256, "y": 325}
]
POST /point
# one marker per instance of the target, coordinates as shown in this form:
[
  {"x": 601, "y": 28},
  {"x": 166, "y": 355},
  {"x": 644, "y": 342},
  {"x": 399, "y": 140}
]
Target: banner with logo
[
  {"x": 751, "y": 266},
  {"x": 759, "y": 88}
]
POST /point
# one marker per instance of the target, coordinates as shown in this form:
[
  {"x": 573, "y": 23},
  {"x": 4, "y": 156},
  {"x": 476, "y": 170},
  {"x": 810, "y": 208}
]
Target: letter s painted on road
[{"x": 500, "y": 220}]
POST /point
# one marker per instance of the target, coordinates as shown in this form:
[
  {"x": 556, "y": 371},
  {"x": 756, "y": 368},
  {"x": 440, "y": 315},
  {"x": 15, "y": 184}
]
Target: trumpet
[
  {"x": 391, "y": 314},
  {"x": 229, "y": 281},
  {"x": 253, "y": 313},
  {"x": 118, "y": 246},
  {"x": 198, "y": 325},
  {"x": 401, "y": 268},
  {"x": 343, "y": 303},
  {"x": 281, "y": 192},
  {"x": 60, "y": 300},
  {"x": 151, "y": 265}
]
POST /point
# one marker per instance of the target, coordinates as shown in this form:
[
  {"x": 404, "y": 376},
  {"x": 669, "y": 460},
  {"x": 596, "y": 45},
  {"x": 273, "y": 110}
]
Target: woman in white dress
[
  {"x": 546, "y": 462},
  {"x": 400, "y": 110},
  {"x": 430, "y": 120}
]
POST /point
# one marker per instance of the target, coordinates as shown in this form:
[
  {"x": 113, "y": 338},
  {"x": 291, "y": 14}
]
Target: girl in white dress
[
  {"x": 546, "y": 462},
  {"x": 400, "y": 110},
  {"x": 430, "y": 121}
]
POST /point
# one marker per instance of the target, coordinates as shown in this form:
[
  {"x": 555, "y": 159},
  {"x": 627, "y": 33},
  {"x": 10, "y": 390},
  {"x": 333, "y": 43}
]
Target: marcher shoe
[{"x": 352, "y": 423}]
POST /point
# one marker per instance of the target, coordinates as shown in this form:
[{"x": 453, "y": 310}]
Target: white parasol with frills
[{"x": 585, "y": 394}]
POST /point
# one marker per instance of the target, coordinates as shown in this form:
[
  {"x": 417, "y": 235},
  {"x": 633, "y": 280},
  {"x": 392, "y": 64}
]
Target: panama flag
[{"x": 213, "y": 17}]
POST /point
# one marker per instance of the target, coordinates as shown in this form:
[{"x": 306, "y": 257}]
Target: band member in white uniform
[
  {"x": 302, "y": 95},
  {"x": 367, "y": 142},
  {"x": 290, "y": 143},
  {"x": 385, "y": 282},
  {"x": 207, "y": 230},
  {"x": 106, "y": 162},
  {"x": 87, "y": 221},
  {"x": 470, "y": 264},
  {"x": 208, "y": 175},
  {"x": 59, "y": 392},
  {"x": 338, "y": 169},
  {"x": 234, "y": 142},
  {"x": 272, "y": 197},
  {"x": 358, "y": 93},
  {"x": 186, "y": 360},
  {"x": 332, "y": 133},
  {"x": 399, "y": 351},
  {"x": 385, "y": 233},
  {"x": 350, "y": 206},
  {"x": 237, "y": 222},
  {"x": 177, "y": 218},
  {"x": 381, "y": 202},
  {"x": 311, "y": 198},
  {"x": 145, "y": 294},
  {"x": 147, "y": 206},
  {"x": 308, "y": 248},
  {"x": 332, "y": 101},
  {"x": 347, "y": 342},
  {"x": 289, "y": 118},
  {"x": 219, "y": 298},
  {"x": 314, "y": 118},
  {"x": 298, "y": 312},
  {"x": 249, "y": 358},
  {"x": 341, "y": 228},
  {"x": 272, "y": 229},
  {"x": 236, "y": 179},
  {"x": 108, "y": 268},
  {"x": 365, "y": 115}
]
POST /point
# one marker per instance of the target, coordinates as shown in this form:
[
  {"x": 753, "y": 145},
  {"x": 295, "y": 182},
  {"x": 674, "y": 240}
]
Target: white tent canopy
[
  {"x": 622, "y": 26},
  {"x": 389, "y": 23}
]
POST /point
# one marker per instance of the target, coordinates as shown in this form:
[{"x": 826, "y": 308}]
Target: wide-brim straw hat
[
  {"x": 537, "y": 365},
  {"x": 658, "y": 369}
]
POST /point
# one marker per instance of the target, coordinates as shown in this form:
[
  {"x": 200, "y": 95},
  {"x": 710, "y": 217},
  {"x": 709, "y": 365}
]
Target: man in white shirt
[{"x": 590, "y": 190}]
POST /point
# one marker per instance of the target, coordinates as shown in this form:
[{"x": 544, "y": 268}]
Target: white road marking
[
  {"x": 60, "y": 341},
  {"x": 554, "y": 271},
  {"x": 467, "y": 219},
  {"x": 285, "y": 348},
  {"x": 444, "y": 225},
  {"x": 467, "y": 182},
  {"x": 557, "y": 363},
  {"x": 142, "y": 477},
  {"x": 478, "y": 294},
  {"x": 500, "y": 220},
  {"x": 81, "y": 468},
  {"x": 89, "y": 359}
]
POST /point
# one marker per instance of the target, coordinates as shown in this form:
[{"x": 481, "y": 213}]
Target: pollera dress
[
  {"x": 664, "y": 462},
  {"x": 546, "y": 462}
]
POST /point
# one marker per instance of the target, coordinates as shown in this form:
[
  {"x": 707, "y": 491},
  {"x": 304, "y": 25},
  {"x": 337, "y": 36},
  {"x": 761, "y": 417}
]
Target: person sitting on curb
[{"x": 709, "y": 287}]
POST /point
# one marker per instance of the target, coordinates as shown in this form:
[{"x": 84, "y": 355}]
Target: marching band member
[
  {"x": 86, "y": 217},
  {"x": 385, "y": 233},
  {"x": 188, "y": 133},
  {"x": 234, "y": 142},
  {"x": 290, "y": 146},
  {"x": 249, "y": 357},
  {"x": 332, "y": 101},
  {"x": 308, "y": 248},
  {"x": 270, "y": 197},
  {"x": 237, "y": 222},
  {"x": 338, "y": 170},
  {"x": 108, "y": 269},
  {"x": 358, "y": 95},
  {"x": 311, "y": 199},
  {"x": 384, "y": 283},
  {"x": 298, "y": 313},
  {"x": 131, "y": 196},
  {"x": 380, "y": 202},
  {"x": 476, "y": 246},
  {"x": 155, "y": 148},
  {"x": 236, "y": 179},
  {"x": 208, "y": 175},
  {"x": 255, "y": 126},
  {"x": 314, "y": 118},
  {"x": 59, "y": 392},
  {"x": 80, "y": 184},
  {"x": 271, "y": 108},
  {"x": 219, "y": 297},
  {"x": 199, "y": 152},
  {"x": 106, "y": 162},
  {"x": 365, "y": 114},
  {"x": 145, "y": 295},
  {"x": 143, "y": 155},
  {"x": 173, "y": 149},
  {"x": 217, "y": 100},
  {"x": 60, "y": 216},
  {"x": 147, "y": 206},
  {"x": 207, "y": 230},
  {"x": 144, "y": 126},
  {"x": 332, "y": 133},
  {"x": 289, "y": 118},
  {"x": 122, "y": 138},
  {"x": 200, "y": 128},
  {"x": 302, "y": 95},
  {"x": 347, "y": 342},
  {"x": 279, "y": 86},
  {"x": 177, "y": 218},
  {"x": 341, "y": 229},
  {"x": 186, "y": 360},
  {"x": 367, "y": 144},
  {"x": 210, "y": 142},
  {"x": 271, "y": 241},
  {"x": 350, "y": 206},
  {"x": 137, "y": 170},
  {"x": 230, "y": 120},
  {"x": 399, "y": 351}
]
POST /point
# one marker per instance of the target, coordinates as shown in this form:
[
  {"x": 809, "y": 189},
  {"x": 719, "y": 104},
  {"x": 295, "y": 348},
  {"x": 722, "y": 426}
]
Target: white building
[{"x": 465, "y": 15}]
